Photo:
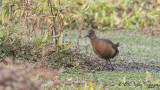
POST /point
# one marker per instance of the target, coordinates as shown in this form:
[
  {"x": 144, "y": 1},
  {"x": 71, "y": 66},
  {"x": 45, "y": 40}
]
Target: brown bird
[{"x": 104, "y": 48}]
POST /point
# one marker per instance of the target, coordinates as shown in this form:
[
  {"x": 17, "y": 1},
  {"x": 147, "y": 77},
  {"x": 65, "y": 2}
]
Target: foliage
[
  {"x": 122, "y": 13},
  {"x": 32, "y": 22},
  {"x": 42, "y": 19},
  {"x": 118, "y": 14},
  {"x": 34, "y": 30}
]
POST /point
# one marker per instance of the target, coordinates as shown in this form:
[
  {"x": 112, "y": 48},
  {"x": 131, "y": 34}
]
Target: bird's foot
[
  {"x": 113, "y": 69},
  {"x": 97, "y": 59}
]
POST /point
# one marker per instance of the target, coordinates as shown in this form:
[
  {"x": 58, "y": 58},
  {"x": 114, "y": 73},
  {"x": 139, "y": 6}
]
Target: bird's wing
[
  {"x": 108, "y": 41},
  {"x": 115, "y": 46}
]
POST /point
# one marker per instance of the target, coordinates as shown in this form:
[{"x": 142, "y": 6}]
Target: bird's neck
[{"x": 93, "y": 40}]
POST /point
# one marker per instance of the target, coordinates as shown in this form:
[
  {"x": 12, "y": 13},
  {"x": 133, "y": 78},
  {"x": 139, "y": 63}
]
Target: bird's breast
[{"x": 102, "y": 49}]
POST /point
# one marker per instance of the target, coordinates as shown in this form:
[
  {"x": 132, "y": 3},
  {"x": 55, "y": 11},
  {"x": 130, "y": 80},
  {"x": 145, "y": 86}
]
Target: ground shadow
[{"x": 122, "y": 65}]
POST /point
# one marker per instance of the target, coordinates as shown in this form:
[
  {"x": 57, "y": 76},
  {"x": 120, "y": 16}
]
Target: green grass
[
  {"x": 134, "y": 46},
  {"x": 107, "y": 77},
  {"x": 110, "y": 79}
]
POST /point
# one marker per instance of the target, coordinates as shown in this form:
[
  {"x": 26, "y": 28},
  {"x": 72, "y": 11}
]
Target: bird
[{"x": 103, "y": 48}]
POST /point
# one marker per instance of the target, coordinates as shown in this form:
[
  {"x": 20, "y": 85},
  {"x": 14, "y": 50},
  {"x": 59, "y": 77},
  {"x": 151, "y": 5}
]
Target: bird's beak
[{"x": 86, "y": 36}]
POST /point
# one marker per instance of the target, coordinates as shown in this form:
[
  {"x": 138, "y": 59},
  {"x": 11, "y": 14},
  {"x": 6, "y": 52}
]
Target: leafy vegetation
[{"x": 39, "y": 36}]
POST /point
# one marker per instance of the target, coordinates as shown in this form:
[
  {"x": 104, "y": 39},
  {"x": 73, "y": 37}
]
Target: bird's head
[{"x": 91, "y": 35}]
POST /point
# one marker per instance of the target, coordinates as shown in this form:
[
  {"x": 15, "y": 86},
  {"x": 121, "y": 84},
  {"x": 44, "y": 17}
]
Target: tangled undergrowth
[{"x": 47, "y": 56}]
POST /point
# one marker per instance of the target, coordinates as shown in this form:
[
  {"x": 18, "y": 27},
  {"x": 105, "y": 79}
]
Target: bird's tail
[
  {"x": 117, "y": 44},
  {"x": 116, "y": 48}
]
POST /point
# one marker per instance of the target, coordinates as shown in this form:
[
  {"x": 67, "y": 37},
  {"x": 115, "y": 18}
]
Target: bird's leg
[
  {"x": 111, "y": 64},
  {"x": 106, "y": 63}
]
